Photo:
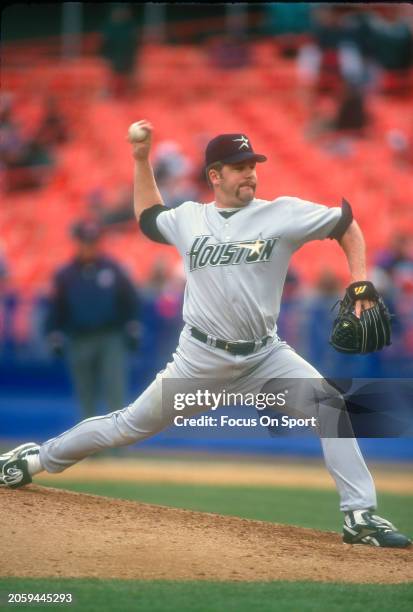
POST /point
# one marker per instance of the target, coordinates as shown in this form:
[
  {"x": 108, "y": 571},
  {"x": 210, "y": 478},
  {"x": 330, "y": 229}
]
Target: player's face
[
  {"x": 88, "y": 251},
  {"x": 235, "y": 184}
]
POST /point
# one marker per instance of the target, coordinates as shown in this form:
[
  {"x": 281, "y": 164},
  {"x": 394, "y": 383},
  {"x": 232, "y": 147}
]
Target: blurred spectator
[
  {"x": 308, "y": 66},
  {"x": 116, "y": 215},
  {"x": 158, "y": 279},
  {"x": 291, "y": 285},
  {"x": 393, "y": 267},
  {"x": 351, "y": 113},
  {"x": 286, "y": 18},
  {"x": 328, "y": 285},
  {"x": 10, "y": 142},
  {"x": 393, "y": 276},
  {"x": 4, "y": 273},
  {"x": 25, "y": 161},
  {"x": 289, "y": 22},
  {"x": 400, "y": 143},
  {"x": 9, "y": 303},
  {"x": 95, "y": 306},
  {"x": 318, "y": 305},
  {"x": 119, "y": 47},
  {"x": 174, "y": 174},
  {"x": 52, "y": 130},
  {"x": 356, "y": 43},
  {"x": 289, "y": 317},
  {"x": 169, "y": 161},
  {"x": 339, "y": 50},
  {"x": 163, "y": 294},
  {"x": 393, "y": 45},
  {"x": 348, "y": 119},
  {"x": 40, "y": 307},
  {"x": 229, "y": 52},
  {"x": 4, "y": 269},
  {"x": 335, "y": 60},
  {"x": 398, "y": 255},
  {"x": 166, "y": 288},
  {"x": 328, "y": 35}
]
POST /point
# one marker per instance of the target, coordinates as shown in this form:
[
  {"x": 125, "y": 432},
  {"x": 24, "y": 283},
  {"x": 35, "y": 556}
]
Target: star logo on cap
[{"x": 244, "y": 142}]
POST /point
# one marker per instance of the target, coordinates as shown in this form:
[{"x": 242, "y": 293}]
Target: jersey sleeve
[
  {"x": 165, "y": 225},
  {"x": 168, "y": 224},
  {"x": 149, "y": 224},
  {"x": 311, "y": 221}
]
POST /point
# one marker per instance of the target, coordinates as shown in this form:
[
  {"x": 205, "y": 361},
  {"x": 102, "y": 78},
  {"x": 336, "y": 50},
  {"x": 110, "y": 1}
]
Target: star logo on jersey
[
  {"x": 255, "y": 247},
  {"x": 244, "y": 142}
]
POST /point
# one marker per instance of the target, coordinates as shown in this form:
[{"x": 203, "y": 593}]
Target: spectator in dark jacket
[
  {"x": 119, "y": 48},
  {"x": 94, "y": 308}
]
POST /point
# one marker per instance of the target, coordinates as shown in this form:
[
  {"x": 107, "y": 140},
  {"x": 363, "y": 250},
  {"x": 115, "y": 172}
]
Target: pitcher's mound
[{"x": 51, "y": 532}]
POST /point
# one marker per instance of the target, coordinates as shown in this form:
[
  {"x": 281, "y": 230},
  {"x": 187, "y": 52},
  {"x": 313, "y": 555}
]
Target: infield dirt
[{"x": 55, "y": 533}]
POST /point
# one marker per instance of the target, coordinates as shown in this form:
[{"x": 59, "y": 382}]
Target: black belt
[{"x": 236, "y": 348}]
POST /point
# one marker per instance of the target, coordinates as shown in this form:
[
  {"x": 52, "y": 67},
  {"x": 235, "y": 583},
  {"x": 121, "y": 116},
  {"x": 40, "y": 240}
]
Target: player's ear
[{"x": 214, "y": 175}]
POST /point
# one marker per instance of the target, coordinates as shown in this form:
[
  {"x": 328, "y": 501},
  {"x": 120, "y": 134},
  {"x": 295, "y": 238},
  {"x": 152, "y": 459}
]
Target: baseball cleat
[
  {"x": 364, "y": 527},
  {"x": 16, "y": 450},
  {"x": 14, "y": 469}
]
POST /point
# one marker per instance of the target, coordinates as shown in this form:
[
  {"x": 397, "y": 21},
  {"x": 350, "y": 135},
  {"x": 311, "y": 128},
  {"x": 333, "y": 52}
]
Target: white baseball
[{"x": 136, "y": 132}]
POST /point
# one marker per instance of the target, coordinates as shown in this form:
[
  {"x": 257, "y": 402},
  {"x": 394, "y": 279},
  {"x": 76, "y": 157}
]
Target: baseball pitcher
[{"x": 236, "y": 251}]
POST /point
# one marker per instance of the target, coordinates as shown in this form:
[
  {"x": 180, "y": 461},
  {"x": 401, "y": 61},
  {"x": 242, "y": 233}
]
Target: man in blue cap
[{"x": 94, "y": 312}]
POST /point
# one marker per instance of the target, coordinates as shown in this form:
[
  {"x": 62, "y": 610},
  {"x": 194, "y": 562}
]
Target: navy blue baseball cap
[
  {"x": 86, "y": 231},
  {"x": 231, "y": 149}
]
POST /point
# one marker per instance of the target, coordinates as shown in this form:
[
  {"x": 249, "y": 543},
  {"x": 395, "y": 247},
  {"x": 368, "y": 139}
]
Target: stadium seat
[{"x": 178, "y": 95}]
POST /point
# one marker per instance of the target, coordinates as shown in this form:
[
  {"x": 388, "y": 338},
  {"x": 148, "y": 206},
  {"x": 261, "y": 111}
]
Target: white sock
[{"x": 33, "y": 463}]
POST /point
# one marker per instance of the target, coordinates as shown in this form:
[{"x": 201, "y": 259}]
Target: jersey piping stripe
[{"x": 98, "y": 418}]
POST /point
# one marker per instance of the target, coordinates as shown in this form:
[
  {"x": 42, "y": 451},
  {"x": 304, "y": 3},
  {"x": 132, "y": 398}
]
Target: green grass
[
  {"x": 164, "y": 596},
  {"x": 304, "y": 507}
]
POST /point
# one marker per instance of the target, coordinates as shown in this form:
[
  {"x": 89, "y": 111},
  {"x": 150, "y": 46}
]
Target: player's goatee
[{"x": 244, "y": 192}]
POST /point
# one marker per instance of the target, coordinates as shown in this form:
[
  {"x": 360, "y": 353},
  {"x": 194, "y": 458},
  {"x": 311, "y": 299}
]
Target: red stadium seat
[{"x": 178, "y": 94}]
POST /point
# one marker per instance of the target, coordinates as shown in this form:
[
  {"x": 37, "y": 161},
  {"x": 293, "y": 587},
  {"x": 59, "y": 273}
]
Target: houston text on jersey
[{"x": 203, "y": 253}]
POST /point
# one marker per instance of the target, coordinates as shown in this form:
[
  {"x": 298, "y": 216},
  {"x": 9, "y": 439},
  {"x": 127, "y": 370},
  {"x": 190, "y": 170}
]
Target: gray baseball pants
[
  {"x": 148, "y": 415},
  {"x": 97, "y": 363}
]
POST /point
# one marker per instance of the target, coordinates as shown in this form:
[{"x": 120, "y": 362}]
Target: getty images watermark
[
  {"x": 211, "y": 400},
  {"x": 330, "y": 408}
]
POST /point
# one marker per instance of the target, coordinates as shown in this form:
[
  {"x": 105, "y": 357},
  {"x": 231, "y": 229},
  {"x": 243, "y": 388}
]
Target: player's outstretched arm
[
  {"x": 145, "y": 189},
  {"x": 353, "y": 245}
]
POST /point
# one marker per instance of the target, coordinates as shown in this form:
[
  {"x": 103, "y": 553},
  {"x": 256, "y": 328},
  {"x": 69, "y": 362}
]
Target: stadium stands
[{"x": 187, "y": 98}]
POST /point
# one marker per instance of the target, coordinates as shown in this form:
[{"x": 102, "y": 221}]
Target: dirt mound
[{"x": 50, "y": 532}]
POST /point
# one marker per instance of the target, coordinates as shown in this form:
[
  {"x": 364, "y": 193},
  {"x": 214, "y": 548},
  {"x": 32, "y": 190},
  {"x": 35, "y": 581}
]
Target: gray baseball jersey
[{"x": 236, "y": 267}]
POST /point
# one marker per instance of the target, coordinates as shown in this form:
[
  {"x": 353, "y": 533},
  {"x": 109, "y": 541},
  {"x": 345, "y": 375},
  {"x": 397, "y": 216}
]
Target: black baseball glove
[{"x": 371, "y": 332}]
